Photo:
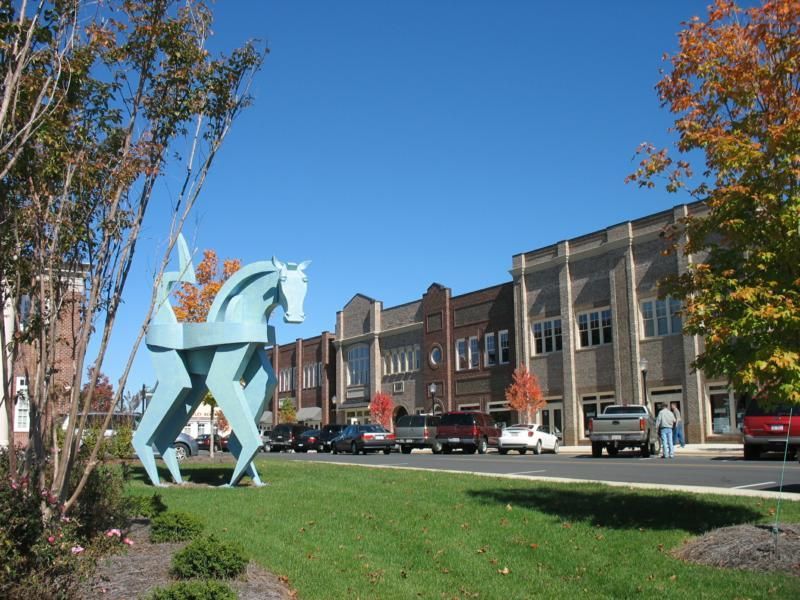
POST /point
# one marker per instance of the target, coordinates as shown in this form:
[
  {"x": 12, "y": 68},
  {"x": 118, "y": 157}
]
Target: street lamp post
[
  {"x": 643, "y": 369},
  {"x": 432, "y": 392},
  {"x": 333, "y": 401}
]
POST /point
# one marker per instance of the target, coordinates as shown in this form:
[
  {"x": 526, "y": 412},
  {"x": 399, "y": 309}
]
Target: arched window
[{"x": 358, "y": 365}]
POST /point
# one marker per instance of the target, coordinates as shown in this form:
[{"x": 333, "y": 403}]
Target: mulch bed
[
  {"x": 750, "y": 547},
  {"x": 145, "y": 566}
]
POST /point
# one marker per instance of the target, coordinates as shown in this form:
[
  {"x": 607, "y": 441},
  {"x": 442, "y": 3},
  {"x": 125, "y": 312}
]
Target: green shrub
[
  {"x": 194, "y": 590},
  {"x": 102, "y": 505},
  {"x": 121, "y": 443},
  {"x": 146, "y": 506},
  {"x": 175, "y": 527},
  {"x": 209, "y": 558}
]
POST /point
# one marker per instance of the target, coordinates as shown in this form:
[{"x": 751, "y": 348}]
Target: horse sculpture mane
[{"x": 225, "y": 355}]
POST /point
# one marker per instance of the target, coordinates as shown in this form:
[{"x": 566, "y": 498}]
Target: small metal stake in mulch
[{"x": 775, "y": 528}]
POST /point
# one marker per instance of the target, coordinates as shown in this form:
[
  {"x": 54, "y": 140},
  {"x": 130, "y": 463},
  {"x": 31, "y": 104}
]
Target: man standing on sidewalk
[
  {"x": 665, "y": 422},
  {"x": 677, "y": 438}
]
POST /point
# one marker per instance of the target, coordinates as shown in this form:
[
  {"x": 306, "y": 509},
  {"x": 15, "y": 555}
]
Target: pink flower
[
  {"x": 52, "y": 539},
  {"x": 77, "y": 549},
  {"x": 113, "y": 532},
  {"x": 128, "y": 541}
]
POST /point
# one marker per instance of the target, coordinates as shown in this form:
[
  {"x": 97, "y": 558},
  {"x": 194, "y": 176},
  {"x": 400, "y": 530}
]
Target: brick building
[
  {"x": 305, "y": 371},
  {"x": 438, "y": 353},
  {"x": 592, "y": 328}
]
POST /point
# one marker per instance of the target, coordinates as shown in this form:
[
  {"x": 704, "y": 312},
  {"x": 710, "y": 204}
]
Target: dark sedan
[
  {"x": 308, "y": 440},
  {"x": 220, "y": 443},
  {"x": 363, "y": 438}
]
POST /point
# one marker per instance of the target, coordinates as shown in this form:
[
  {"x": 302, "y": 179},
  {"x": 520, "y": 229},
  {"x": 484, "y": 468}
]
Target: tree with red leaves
[
  {"x": 103, "y": 394},
  {"x": 381, "y": 409},
  {"x": 524, "y": 394}
]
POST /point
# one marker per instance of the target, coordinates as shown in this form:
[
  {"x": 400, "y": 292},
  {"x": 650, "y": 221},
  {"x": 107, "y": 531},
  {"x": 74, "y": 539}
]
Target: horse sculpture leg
[
  {"x": 173, "y": 386},
  {"x": 259, "y": 383},
  {"x": 174, "y": 424},
  {"x": 223, "y": 380}
]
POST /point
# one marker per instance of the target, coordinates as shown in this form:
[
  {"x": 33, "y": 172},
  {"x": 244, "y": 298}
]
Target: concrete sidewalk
[{"x": 689, "y": 450}]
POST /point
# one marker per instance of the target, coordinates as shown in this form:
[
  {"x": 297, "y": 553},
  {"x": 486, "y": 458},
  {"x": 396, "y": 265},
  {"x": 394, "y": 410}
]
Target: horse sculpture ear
[
  {"x": 277, "y": 264},
  {"x": 302, "y": 266}
]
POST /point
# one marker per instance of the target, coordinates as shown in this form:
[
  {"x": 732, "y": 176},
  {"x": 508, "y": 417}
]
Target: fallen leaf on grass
[
  {"x": 481, "y": 550},
  {"x": 534, "y": 546},
  {"x": 566, "y": 525},
  {"x": 504, "y": 571},
  {"x": 445, "y": 570},
  {"x": 508, "y": 507}
]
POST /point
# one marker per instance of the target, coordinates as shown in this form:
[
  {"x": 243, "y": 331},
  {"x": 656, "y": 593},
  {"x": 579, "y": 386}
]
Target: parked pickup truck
[{"x": 630, "y": 426}]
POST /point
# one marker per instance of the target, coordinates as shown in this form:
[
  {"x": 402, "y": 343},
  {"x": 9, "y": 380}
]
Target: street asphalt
[{"x": 719, "y": 470}]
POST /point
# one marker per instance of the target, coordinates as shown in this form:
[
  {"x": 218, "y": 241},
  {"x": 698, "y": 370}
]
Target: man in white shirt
[{"x": 665, "y": 421}]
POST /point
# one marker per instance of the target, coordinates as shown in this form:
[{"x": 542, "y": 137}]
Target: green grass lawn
[{"x": 348, "y": 532}]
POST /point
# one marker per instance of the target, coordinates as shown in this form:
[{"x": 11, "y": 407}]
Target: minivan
[
  {"x": 283, "y": 436},
  {"x": 469, "y": 431},
  {"x": 768, "y": 428}
]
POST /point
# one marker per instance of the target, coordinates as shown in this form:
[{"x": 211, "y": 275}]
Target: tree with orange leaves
[
  {"x": 524, "y": 394},
  {"x": 733, "y": 88},
  {"x": 195, "y": 300},
  {"x": 381, "y": 409}
]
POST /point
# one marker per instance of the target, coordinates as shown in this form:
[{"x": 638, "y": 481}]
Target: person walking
[
  {"x": 677, "y": 437},
  {"x": 665, "y": 421}
]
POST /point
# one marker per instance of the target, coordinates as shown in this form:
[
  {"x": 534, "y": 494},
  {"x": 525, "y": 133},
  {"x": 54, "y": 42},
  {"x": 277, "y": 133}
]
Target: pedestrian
[
  {"x": 665, "y": 421},
  {"x": 677, "y": 437}
]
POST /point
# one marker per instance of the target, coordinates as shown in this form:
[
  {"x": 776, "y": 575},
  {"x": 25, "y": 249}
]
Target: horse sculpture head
[{"x": 292, "y": 287}]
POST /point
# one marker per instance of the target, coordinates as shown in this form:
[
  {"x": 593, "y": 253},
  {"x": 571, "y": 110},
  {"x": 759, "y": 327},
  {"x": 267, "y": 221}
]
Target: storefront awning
[{"x": 311, "y": 414}]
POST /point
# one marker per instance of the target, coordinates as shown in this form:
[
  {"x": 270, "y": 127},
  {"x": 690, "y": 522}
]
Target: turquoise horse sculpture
[{"x": 225, "y": 355}]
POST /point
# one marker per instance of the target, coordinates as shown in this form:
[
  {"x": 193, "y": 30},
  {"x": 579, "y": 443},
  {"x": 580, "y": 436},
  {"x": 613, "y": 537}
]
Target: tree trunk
[{"x": 213, "y": 436}]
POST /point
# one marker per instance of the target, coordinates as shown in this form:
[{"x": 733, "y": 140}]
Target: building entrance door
[{"x": 552, "y": 417}]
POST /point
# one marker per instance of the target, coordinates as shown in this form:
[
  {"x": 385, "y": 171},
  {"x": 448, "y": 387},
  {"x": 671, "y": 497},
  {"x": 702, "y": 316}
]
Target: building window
[
  {"x": 727, "y": 411},
  {"x": 661, "y": 317},
  {"x": 461, "y": 354},
  {"x": 490, "y": 344},
  {"x": 311, "y": 375},
  {"x": 595, "y": 328},
  {"x": 474, "y": 353},
  {"x": 547, "y": 336},
  {"x": 401, "y": 360},
  {"x": 358, "y": 365},
  {"x": 435, "y": 356},
  {"x": 201, "y": 428},
  {"x": 286, "y": 379},
  {"x": 593, "y": 405},
  {"x": 505, "y": 351},
  {"x": 22, "y": 407}
]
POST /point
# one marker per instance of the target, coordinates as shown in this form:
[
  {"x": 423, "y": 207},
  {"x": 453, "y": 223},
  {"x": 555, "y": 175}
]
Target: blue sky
[{"x": 395, "y": 144}]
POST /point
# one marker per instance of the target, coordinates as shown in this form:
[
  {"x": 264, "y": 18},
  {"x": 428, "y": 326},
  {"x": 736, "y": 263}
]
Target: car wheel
[
  {"x": 388, "y": 450},
  {"x": 181, "y": 451},
  {"x": 470, "y": 449},
  {"x": 321, "y": 448},
  {"x": 503, "y": 451},
  {"x": 523, "y": 450},
  {"x": 597, "y": 449},
  {"x": 446, "y": 449},
  {"x": 354, "y": 449},
  {"x": 612, "y": 450},
  {"x": 436, "y": 448},
  {"x": 645, "y": 450},
  {"x": 405, "y": 449},
  {"x": 555, "y": 447},
  {"x": 483, "y": 446},
  {"x": 538, "y": 448},
  {"x": 334, "y": 450},
  {"x": 751, "y": 452}
]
